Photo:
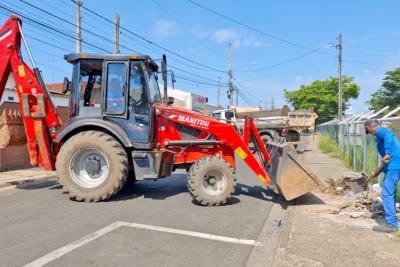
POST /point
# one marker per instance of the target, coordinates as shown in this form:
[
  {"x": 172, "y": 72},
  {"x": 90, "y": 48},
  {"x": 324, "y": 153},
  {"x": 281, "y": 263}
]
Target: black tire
[
  {"x": 201, "y": 171},
  {"x": 112, "y": 151}
]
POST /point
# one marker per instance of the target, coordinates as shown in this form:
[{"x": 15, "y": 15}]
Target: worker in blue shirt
[{"x": 389, "y": 148}]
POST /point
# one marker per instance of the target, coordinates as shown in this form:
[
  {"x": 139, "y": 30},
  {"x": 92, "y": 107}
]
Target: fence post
[
  {"x": 342, "y": 137},
  {"x": 354, "y": 145},
  {"x": 348, "y": 139},
  {"x": 364, "y": 150}
]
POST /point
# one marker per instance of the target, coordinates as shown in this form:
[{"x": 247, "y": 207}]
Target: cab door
[{"x": 115, "y": 89}]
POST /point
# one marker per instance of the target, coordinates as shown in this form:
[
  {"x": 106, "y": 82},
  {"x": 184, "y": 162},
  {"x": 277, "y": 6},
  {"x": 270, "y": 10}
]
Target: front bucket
[
  {"x": 289, "y": 175},
  {"x": 12, "y": 130}
]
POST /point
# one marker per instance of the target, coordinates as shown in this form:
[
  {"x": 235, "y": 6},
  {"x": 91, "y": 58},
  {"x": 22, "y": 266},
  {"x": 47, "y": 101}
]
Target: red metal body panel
[{"x": 26, "y": 83}]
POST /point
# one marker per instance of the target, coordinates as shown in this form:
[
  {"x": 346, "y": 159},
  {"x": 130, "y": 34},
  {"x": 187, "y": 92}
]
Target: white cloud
[
  {"x": 248, "y": 41},
  {"x": 298, "y": 78},
  {"x": 238, "y": 39},
  {"x": 224, "y": 35},
  {"x": 166, "y": 28}
]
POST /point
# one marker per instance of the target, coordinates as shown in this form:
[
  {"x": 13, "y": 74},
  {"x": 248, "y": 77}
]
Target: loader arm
[
  {"x": 228, "y": 136},
  {"x": 39, "y": 116},
  {"x": 279, "y": 168}
]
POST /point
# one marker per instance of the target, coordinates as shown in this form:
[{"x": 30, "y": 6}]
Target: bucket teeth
[
  {"x": 11, "y": 117},
  {"x": 12, "y": 131}
]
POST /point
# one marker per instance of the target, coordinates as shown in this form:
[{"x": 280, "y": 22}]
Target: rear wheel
[
  {"x": 92, "y": 166},
  {"x": 211, "y": 181}
]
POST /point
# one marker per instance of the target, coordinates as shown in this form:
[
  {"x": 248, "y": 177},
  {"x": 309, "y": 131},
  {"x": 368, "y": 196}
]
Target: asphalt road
[{"x": 40, "y": 222}]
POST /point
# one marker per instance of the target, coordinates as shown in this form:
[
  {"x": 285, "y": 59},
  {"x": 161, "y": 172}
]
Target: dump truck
[
  {"x": 270, "y": 124},
  {"x": 118, "y": 128}
]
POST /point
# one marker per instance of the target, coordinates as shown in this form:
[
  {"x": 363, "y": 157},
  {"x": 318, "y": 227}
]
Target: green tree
[
  {"x": 323, "y": 96},
  {"x": 389, "y": 93}
]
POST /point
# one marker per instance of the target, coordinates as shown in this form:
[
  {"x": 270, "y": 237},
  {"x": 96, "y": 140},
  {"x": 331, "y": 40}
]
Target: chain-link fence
[{"x": 354, "y": 146}]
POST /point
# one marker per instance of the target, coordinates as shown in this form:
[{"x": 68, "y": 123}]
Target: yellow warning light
[
  {"x": 84, "y": 56},
  {"x": 133, "y": 57}
]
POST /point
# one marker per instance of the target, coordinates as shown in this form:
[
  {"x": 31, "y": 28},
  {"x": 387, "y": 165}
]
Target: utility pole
[
  {"x": 219, "y": 92},
  {"x": 116, "y": 34},
  {"x": 237, "y": 96},
  {"x": 230, "y": 97},
  {"x": 198, "y": 89},
  {"x": 78, "y": 27},
  {"x": 272, "y": 104},
  {"x": 340, "y": 79}
]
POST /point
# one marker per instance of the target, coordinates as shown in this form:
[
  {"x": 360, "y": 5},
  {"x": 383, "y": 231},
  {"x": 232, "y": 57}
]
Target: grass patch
[
  {"x": 398, "y": 194},
  {"x": 328, "y": 146}
]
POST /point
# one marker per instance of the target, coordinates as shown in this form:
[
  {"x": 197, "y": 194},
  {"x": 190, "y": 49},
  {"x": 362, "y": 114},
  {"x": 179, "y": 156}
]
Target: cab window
[
  {"x": 116, "y": 77},
  {"x": 138, "y": 95}
]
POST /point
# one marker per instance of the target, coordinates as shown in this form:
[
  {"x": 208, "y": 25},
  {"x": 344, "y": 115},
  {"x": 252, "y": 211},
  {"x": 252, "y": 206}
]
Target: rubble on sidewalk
[{"x": 359, "y": 201}]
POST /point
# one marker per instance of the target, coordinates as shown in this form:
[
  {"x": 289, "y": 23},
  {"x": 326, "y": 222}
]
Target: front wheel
[
  {"x": 211, "y": 181},
  {"x": 92, "y": 166}
]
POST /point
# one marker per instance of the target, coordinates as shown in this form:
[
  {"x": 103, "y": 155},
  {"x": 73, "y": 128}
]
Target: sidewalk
[
  {"x": 322, "y": 239},
  {"x": 17, "y": 177}
]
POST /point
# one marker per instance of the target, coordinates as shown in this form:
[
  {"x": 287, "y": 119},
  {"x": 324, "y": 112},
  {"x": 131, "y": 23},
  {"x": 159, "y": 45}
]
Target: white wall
[{"x": 57, "y": 100}]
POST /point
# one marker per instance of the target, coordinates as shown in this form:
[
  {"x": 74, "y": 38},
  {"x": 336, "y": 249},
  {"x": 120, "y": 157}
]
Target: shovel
[{"x": 369, "y": 177}]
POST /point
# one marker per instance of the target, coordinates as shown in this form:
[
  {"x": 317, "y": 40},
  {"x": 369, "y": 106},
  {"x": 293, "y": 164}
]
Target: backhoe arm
[{"x": 39, "y": 115}]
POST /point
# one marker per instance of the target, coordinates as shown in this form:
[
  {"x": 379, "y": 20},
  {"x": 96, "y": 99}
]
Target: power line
[
  {"x": 254, "y": 29},
  {"x": 278, "y": 74},
  {"x": 199, "y": 82},
  {"x": 287, "y": 61},
  {"x": 183, "y": 27},
  {"x": 245, "y": 88},
  {"x": 42, "y": 24},
  {"x": 174, "y": 67},
  {"x": 49, "y": 27},
  {"x": 150, "y": 42},
  {"x": 73, "y": 24}
]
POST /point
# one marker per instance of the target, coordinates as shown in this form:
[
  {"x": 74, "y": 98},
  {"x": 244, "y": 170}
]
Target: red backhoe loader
[{"x": 118, "y": 127}]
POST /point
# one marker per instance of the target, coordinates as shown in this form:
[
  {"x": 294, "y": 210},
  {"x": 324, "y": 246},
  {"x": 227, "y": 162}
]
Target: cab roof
[{"x": 72, "y": 58}]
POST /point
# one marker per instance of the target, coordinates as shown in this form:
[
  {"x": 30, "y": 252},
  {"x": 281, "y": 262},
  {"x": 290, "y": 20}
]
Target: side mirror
[
  {"x": 65, "y": 85},
  {"x": 229, "y": 115}
]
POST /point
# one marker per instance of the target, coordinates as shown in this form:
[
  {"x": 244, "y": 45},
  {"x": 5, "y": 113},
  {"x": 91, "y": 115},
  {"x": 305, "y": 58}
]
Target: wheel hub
[
  {"x": 211, "y": 180},
  {"x": 89, "y": 168},
  {"x": 93, "y": 166}
]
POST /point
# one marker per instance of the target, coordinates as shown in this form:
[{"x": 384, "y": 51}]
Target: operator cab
[{"x": 122, "y": 89}]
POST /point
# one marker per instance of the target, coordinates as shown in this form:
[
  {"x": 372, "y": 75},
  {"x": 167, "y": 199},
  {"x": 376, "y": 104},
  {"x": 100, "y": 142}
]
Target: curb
[
  {"x": 26, "y": 181},
  {"x": 272, "y": 238}
]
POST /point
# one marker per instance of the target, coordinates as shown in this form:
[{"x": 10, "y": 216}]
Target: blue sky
[{"x": 370, "y": 41}]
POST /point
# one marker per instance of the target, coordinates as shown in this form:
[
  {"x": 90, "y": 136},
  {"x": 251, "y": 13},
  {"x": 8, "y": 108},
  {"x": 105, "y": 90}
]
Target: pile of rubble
[
  {"x": 360, "y": 202},
  {"x": 361, "y": 207}
]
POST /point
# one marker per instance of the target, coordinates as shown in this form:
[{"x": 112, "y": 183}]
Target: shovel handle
[{"x": 376, "y": 171}]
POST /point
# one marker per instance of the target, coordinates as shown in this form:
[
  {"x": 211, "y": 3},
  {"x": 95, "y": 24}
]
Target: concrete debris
[
  {"x": 357, "y": 214},
  {"x": 376, "y": 188},
  {"x": 339, "y": 190},
  {"x": 360, "y": 207},
  {"x": 276, "y": 224}
]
